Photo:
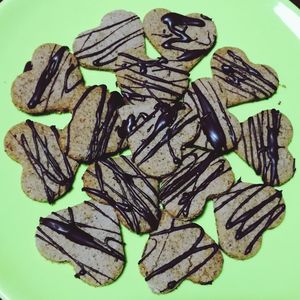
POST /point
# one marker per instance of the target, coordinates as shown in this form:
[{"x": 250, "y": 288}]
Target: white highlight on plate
[{"x": 289, "y": 18}]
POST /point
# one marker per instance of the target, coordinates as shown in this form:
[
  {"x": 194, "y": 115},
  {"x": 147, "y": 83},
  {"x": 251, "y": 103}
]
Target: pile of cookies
[{"x": 178, "y": 132}]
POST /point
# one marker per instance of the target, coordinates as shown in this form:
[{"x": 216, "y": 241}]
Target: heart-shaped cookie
[
  {"x": 47, "y": 172},
  {"x": 88, "y": 237},
  {"x": 93, "y": 129},
  {"x": 176, "y": 251},
  {"x": 142, "y": 79},
  {"x": 119, "y": 183},
  {"x": 218, "y": 130},
  {"x": 244, "y": 214},
  {"x": 263, "y": 145},
  {"x": 201, "y": 175},
  {"x": 119, "y": 31},
  {"x": 242, "y": 80},
  {"x": 51, "y": 82},
  {"x": 186, "y": 39},
  {"x": 157, "y": 132}
]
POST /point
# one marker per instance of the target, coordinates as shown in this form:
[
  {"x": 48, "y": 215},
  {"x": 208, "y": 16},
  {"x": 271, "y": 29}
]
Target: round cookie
[
  {"x": 242, "y": 80},
  {"x": 99, "y": 47},
  {"x": 244, "y": 214},
  {"x": 119, "y": 183},
  {"x": 51, "y": 81},
  {"x": 88, "y": 237},
  {"x": 47, "y": 172},
  {"x": 186, "y": 39},
  {"x": 176, "y": 251}
]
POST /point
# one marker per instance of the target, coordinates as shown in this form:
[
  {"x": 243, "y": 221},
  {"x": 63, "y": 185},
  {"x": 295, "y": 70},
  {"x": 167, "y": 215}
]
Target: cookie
[
  {"x": 176, "y": 251},
  {"x": 47, "y": 172},
  {"x": 141, "y": 78},
  {"x": 263, "y": 145},
  {"x": 218, "y": 129},
  {"x": 186, "y": 39},
  {"x": 201, "y": 176},
  {"x": 242, "y": 80},
  {"x": 119, "y": 183},
  {"x": 156, "y": 142},
  {"x": 119, "y": 31},
  {"x": 51, "y": 81},
  {"x": 88, "y": 237},
  {"x": 93, "y": 129},
  {"x": 244, "y": 214}
]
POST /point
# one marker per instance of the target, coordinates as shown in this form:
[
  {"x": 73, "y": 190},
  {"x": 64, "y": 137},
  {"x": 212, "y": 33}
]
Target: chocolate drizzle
[
  {"x": 178, "y": 25},
  {"x": 210, "y": 250},
  {"x": 48, "y": 78},
  {"x": 79, "y": 233},
  {"x": 141, "y": 80},
  {"x": 135, "y": 204},
  {"x": 183, "y": 186},
  {"x": 103, "y": 53},
  {"x": 251, "y": 221},
  {"x": 233, "y": 70},
  {"x": 106, "y": 117},
  {"x": 47, "y": 165}
]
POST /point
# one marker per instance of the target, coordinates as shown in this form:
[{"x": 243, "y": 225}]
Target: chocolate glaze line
[
  {"x": 102, "y": 56},
  {"x": 239, "y": 74},
  {"x": 151, "y": 79},
  {"x": 194, "y": 249},
  {"x": 104, "y": 123},
  {"x": 132, "y": 202},
  {"x": 178, "y": 24},
  {"x": 72, "y": 231},
  {"x": 167, "y": 122},
  {"x": 49, "y": 77},
  {"x": 263, "y": 149},
  {"x": 51, "y": 169},
  {"x": 240, "y": 221},
  {"x": 187, "y": 176}
]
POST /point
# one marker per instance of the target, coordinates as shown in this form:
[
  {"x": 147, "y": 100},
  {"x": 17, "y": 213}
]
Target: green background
[{"x": 251, "y": 25}]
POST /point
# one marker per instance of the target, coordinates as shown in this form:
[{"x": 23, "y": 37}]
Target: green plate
[{"x": 267, "y": 30}]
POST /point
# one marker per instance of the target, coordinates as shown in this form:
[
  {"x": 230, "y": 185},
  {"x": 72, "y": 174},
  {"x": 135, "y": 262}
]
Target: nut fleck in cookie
[
  {"x": 47, "y": 172},
  {"x": 51, "y": 81},
  {"x": 176, "y": 251},
  {"x": 244, "y": 214},
  {"x": 88, "y": 237},
  {"x": 263, "y": 145},
  {"x": 242, "y": 80},
  {"x": 93, "y": 129},
  {"x": 218, "y": 129},
  {"x": 156, "y": 141},
  {"x": 142, "y": 79},
  {"x": 119, "y": 183},
  {"x": 201, "y": 175},
  {"x": 186, "y": 39},
  {"x": 119, "y": 31}
]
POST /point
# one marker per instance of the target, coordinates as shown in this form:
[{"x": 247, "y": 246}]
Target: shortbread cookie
[
  {"x": 119, "y": 31},
  {"x": 141, "y": 78},
  {"x": 176, "y": 251},
  {"x": 156, "y": 142},
  {"x": 218, "y": 129},
  {"x": 202, "y": 175},
  {"x": 88, "y": 237},
  {"x": 186, "y": 39},
  {"x": 47, "y": 172},
  {"x": 242, "y": 80},
  {"x": 119, "y": 183},
  {"x": 51, "y": 82},
  {"x": 92, "y": 131},
  {"x": 244, "y": 214},
  {"x": 263, "y": 145}
]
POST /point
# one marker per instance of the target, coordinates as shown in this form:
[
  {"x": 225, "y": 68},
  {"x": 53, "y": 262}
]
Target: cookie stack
[{"x": 178, "y": 133}]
